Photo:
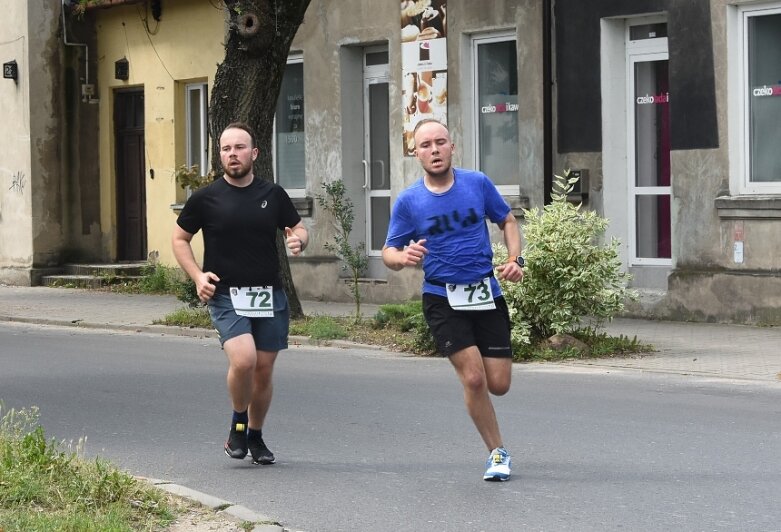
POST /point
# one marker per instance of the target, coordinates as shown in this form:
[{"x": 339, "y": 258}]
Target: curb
[{"x": 263, "y": 523}]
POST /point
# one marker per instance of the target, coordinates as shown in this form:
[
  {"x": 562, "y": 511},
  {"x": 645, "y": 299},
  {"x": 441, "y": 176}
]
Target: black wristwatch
[{"x": 517, "y": 259}]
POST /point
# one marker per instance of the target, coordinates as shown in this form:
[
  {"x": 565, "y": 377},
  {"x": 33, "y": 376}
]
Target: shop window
[
  {"x": 495, "y": 75},
  {"x": 760, "y": 44},
  {"x": 289, "y": 141}
]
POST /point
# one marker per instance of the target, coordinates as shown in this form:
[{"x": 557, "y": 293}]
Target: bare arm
[
  {"x": 183, "y": 252},
  {"x": 512, "y": 239}
]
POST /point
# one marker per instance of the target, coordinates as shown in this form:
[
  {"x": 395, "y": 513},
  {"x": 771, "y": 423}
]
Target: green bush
[{"x": 569, "y": 273}]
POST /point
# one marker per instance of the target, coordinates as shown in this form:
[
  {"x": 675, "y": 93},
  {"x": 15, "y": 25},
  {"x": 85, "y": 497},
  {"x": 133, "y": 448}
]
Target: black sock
[
  {"x": 255, "y": 434},
  {"x": 240, "y": 417}
]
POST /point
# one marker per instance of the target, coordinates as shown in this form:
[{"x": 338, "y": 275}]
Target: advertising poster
[{"x": 424, "y": 64}]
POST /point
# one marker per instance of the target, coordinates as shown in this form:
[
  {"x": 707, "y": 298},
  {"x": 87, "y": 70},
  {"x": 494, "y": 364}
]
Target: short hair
[
  {"x": 244, "y": 127},
  {"x": 429, "y": 121}
]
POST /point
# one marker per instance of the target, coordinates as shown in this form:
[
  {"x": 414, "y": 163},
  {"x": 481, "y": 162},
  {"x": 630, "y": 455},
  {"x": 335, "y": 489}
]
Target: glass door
[
  {"x": 376, "y": 149},
  {"x": 649, "y": 153}
]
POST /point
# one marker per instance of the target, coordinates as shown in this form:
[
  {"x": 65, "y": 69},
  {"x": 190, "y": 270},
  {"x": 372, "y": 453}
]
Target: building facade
[{"x": 669, "y": 111}]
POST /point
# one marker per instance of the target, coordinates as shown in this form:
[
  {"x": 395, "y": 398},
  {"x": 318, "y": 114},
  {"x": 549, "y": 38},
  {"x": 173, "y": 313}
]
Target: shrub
[
  {"x": 336, "y": 201},
  {"x": 569, "y": 274}
]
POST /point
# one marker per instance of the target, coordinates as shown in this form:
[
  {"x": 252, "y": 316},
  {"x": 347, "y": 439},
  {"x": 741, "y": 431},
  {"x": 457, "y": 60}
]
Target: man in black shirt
[{"x": 240, "y": 279}]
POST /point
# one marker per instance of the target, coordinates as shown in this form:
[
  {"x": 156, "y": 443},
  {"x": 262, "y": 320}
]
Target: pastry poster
[{"x": 423, "y": 63}]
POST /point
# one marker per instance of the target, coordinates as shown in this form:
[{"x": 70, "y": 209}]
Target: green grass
[
  {"x": 402, "y": 328},
  {"x": 187, "y": 317},
  {"x": 44, "y": 487}
]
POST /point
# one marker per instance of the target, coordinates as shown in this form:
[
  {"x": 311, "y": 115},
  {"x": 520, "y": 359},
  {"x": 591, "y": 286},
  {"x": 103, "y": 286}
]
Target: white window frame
[
  {"x": 201, "y": 159},
  {"x": 476, "y": 41},
  {"x": 292, "y": 192},
  {"x": 739, "y": 111}
]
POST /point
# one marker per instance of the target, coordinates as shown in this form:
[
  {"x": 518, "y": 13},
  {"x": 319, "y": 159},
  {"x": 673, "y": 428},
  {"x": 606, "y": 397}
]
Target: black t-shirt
[{"x": 239, "y": 230}]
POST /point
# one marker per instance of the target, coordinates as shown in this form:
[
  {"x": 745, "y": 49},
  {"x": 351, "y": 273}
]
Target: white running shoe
[{"x": 498, "y": 465}]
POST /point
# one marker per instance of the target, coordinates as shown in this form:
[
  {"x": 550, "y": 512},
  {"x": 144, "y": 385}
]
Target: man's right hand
[
  {"x": 205, "y": 287},
  {"x": 413, "y": 254}
]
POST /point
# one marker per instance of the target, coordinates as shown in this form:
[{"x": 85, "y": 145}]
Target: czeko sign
[
  {"x": 658, "y": 99},
  {"x": 767, "y": 91},
  {"x": 499, "y": 108}
]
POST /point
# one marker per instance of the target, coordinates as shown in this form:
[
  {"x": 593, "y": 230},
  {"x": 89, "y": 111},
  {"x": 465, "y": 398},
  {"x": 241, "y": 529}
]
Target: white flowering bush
[{"x": 569, "y": 274}]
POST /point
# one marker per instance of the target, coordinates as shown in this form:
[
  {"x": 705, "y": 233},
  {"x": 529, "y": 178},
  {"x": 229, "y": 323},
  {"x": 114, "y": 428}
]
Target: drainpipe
[
  {"x": 87, "y": 90},
  {"x": 547, "y": 98}
]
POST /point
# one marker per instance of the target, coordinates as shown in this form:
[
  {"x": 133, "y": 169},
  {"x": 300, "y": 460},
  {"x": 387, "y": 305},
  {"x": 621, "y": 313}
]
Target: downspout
[
  {"x": 86, "y": 93},
  {"x": 547, "y": 98}
]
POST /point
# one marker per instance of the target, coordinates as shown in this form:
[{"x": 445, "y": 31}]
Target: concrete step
[
  {"x": 85, "y": 281},
  {"x": 114, "y": 269}
]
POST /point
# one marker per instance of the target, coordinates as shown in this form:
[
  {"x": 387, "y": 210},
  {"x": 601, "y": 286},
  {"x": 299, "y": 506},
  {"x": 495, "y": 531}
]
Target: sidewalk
[{"x": 705, "y": 349}]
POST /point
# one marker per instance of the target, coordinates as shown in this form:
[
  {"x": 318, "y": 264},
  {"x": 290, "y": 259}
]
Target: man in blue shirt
[{"x": 439, "y": 222}]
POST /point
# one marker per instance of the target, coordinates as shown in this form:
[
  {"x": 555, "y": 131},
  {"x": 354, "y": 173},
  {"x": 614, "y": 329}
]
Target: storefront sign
[
  {"x": 767, "y": 91},
  {"x": 423, "y": 64}
]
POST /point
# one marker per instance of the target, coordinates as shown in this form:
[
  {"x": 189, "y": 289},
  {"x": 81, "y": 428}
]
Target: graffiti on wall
[{"x": 17, "y": 182}]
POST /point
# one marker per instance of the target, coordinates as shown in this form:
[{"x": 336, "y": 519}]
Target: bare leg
[
  {"x": 472, "y": 372},
  {"x": 242, "y": 361},
  {"x": 262, "y": 388}
]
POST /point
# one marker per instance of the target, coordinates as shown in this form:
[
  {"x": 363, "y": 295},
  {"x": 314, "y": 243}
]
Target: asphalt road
[{"x": 374, "y": 441}]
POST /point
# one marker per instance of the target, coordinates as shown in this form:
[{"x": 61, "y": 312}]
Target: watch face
[{"x": 519, "y": 261}]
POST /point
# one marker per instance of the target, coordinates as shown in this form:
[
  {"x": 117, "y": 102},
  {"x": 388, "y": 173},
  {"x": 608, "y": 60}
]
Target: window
[
  {"x": 760, "y": 91},
  {"x": 496, "y": 109},
  {"x": 196, "y": 122},
  {"x": 289, "y": 145}
]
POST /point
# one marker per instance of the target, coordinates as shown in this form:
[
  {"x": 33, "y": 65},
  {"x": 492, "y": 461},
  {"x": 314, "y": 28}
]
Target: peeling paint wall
[
  {"x": 46, "y": 131},
  {"x": 332, "y": 39}
]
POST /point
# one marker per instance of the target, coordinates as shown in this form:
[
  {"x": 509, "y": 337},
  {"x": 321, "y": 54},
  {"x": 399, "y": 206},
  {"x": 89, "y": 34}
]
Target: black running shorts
[{"x": 455, "y": 330}]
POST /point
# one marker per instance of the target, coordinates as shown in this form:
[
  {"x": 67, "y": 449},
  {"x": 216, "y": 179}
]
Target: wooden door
[{"x": 130, "y": 175}]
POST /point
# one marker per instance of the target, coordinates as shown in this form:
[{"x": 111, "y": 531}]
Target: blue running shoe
[{"x": 498, "y": 465}]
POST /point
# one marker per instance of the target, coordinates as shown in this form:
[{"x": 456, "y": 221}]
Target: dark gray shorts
[
  {"x": 270, "y": 334},
  {"x": 455, "y": 330}
]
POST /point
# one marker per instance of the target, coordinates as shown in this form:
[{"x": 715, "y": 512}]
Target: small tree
[
  {"x": 340, "y": 206},
  {"x": 569, "y": 275}
]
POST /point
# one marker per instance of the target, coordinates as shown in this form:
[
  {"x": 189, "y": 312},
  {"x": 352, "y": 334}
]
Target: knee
[
  {"x": 499, "y": 388},
  {"x": 474, "y": 381},
  {"x": 242, "y": 364}
]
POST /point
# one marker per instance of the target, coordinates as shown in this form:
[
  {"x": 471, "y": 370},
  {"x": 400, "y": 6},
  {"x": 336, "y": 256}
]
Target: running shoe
[
  {"x": 260, "y": 453},
  {"x": 498, "y": 465},
  {"x": 236, "y": 446}
]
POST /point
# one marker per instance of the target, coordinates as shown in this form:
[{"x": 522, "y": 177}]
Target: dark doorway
[{"x": 130, "y": 172}]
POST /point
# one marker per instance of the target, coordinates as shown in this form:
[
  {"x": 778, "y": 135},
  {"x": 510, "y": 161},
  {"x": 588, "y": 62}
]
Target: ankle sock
[
  {"x": 255, "y": 434},
  {"x": 240, "y": 417}
]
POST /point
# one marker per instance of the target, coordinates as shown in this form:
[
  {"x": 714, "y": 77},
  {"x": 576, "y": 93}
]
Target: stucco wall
[
  {"x": 186, "y": 45},
  {"x": 16, "y": 217},
  {"x": 331, "y": 39}
]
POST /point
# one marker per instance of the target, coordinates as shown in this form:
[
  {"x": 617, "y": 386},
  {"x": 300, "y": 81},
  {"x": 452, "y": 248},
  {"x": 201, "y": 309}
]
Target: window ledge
[
  {"x": 517, "y": 204},
  {"x": 749, "y": 207},
  {"x": 303, "y": 206}
]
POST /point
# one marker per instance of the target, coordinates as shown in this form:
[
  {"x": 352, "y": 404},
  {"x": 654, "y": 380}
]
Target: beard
[{"x": 238, "y": 172}]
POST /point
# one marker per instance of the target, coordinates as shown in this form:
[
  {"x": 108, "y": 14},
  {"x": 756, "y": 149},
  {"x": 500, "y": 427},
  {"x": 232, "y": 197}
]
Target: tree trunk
[{"x": 246, "y": 87}]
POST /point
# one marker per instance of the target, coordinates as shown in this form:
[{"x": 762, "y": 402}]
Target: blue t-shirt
[{"x": 453, "y": 224}]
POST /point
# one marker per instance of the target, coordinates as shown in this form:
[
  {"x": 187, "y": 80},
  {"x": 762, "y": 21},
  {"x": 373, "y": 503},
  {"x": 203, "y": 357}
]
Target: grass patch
[
  {"x": 44, "y": 487},
  {"x": 187, "y": 317},
  {"x": 402, "y": 328}
]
